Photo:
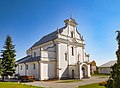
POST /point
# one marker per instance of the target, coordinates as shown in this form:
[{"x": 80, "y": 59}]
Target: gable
[
  {"x": 67, "y": 32},
  {"x": 69, "y": 27}
]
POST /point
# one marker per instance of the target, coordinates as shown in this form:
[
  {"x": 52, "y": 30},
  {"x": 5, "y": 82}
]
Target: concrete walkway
[{"x": 53, "y": 84}]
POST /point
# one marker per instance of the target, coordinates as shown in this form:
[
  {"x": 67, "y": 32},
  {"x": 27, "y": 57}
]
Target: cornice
[
  {"x": 60, "y": 40},
  {"x": 70, "y": 37}
]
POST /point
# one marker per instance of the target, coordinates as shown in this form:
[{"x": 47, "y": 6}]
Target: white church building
[{"x": 58, "y": 55}]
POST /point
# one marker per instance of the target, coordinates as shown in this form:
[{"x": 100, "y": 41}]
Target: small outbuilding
[{"x": 106, "y": 68}]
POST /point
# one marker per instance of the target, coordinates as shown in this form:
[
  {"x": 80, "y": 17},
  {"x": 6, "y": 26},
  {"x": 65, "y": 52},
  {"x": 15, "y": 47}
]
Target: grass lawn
[
  {"x": 95, "y": 85},
  {"x": 68, "y": 81},
  {"x": 15, "y": 85},
  {"x": 105, "y": 75}
]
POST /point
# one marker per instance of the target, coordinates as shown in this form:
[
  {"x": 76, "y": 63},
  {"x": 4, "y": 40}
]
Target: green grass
[
  {"x": 68, "y": 81},
  {"x": 95, "y": 85},
  {"x": 106, "y": 75},
  {"x": 15, "y": 85}
]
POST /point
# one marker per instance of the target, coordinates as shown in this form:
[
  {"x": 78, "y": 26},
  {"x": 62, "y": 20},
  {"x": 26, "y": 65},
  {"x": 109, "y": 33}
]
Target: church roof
[
  {"x": 22, "y": 59},
  {"x": 49, "y": 37},
  {"x": 108, "y": 64},
  {"x": 30, "y": 59}
]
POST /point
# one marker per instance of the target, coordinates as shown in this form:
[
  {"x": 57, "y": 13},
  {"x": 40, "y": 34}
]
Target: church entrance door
[
  {"x": 84, "y": 71},
  {"x": 72, "y": 74}
]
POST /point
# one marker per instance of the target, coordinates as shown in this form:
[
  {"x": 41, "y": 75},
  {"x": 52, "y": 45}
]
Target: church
[{"x": 58, "y": 55}]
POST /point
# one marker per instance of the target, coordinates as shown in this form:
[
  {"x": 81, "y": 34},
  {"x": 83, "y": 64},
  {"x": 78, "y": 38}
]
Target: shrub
[{"x": 103, "y": 83}]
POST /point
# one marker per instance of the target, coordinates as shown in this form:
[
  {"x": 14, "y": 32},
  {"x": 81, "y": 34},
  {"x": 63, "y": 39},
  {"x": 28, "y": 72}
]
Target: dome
[{"x": 70, "y": 21}]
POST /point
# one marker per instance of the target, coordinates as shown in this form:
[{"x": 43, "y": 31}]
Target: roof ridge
[{"x": 48, "y": 37}]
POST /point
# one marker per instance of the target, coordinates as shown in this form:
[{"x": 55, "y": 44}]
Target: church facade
[{"x": 58, "y": 55}]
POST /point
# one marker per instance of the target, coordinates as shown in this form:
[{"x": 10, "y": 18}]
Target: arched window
[
  {"x": 72, "y": 50},
  {"x": 21, "y": 67},
  {"x": 33, "y": 66},
  {"x": 72, "y": 34},
  {"x": 78, "y": 57},
  {"x": 65, "y": 56},
  {"x": 34, "y": 54},
  {"x": 26, "y": 67}
]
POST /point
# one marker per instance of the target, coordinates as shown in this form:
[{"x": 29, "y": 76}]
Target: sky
[{"x": 26, "y": 21}]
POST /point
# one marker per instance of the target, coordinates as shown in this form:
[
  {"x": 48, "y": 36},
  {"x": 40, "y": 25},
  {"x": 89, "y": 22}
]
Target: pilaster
[{"x": 58, "y": 61}]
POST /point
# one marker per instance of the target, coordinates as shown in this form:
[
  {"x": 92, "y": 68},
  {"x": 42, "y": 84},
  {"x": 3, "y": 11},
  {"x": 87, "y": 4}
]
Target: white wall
[
  {"x": 16, "y": 70},
  {"x": 31, "y": 71},
  {"x": 37, "y": 52},
  {"x": 51, "y": 48},
  {"x": 72, "y": 59},
  {"x": 48, "y": 70},
  {"x": 22, "y": 72},
  {"x": 69, "y": 29},
  {"x": 76, "y": 71},
  {"x": 81, "y": 53},
  {"x": 63, "y": 64}
]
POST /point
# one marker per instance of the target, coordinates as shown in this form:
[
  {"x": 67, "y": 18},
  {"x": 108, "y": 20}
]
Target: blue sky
[{"x": 28, "y": 20}]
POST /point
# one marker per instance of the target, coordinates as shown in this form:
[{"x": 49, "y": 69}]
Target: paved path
[{"x": 53, "y": 84}]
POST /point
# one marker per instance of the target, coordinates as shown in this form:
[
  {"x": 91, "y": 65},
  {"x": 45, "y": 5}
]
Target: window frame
[
  {"x": 34, "y": 66},
  {"x": 72, "y": 51},
  {"x": 72, "y": 34},
  {"x": 34, "y": 54},
  {"x": 26, "y": 66},
  {"x": 21, "y": 67},
  {"x": 65, "y": 56}
]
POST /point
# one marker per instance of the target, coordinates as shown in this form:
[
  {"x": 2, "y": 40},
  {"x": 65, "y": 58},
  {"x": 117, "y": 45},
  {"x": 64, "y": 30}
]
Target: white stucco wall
[
  {"x": 69, "y": 29},
  {"x": 63, "y": 64},
  {"x": 37, "y": 51},
  {"x": 31, "y": 71},
  {"x": 21, "y": 71},
  {"x": 81, "y": 53},
  {"x": 44, "y": 54},
  {"x": 71, "y": 57},
  {"x": 16, "y": 70},
  {"x": 48, "y": 70},
  {"x": 76, "y": 71},
  {"x": 49, "y": 47}
]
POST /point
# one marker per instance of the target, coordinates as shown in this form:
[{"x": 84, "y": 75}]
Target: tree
[
  {"x": 114, "y": 79},
  {"x": 7, "y": 59}
]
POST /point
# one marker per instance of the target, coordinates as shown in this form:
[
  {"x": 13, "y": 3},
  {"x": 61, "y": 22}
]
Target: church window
[
  {"x": 34, "y": 54},
  {"x": 72, "y": 50},
  {"x": 27, "y": 67},
  {"x": 21, "y": 67},
  {"x": 65, "y": 56},
  {"x": 33, "y": 66},
  {"x": 78, "y": 57},
  {"x": 72, "y": 34}
]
